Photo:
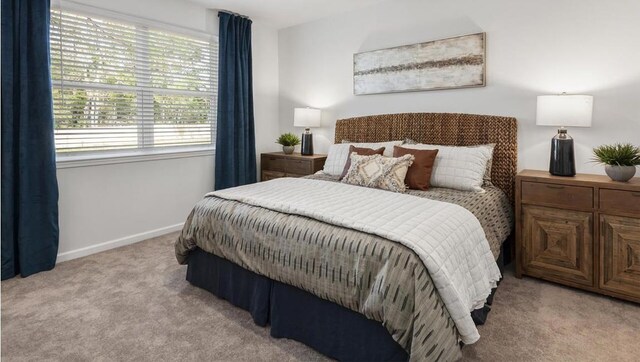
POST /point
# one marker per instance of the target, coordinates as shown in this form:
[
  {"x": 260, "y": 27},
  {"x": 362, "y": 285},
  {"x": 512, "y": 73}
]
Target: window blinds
[{"x": 119, "y": 85}]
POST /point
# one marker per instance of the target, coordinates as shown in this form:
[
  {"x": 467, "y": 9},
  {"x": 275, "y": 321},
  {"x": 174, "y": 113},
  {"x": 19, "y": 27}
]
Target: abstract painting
[{"x": 447, "y": 63}]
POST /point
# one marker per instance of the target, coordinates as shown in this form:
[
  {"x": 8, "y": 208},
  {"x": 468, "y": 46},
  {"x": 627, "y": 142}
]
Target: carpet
[{"x": 133, "y": 303}]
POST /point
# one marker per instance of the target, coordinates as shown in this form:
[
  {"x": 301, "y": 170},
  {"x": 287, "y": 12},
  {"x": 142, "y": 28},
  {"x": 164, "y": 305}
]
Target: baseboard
[{"x": 112, "y": 244}]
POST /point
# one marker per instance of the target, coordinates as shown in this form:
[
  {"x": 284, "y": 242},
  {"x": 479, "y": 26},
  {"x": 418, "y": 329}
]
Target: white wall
[
  {"x": 265, "y": 87},
  {"x": 111, "y": 205},
  {"x": 533, "y": 48}
]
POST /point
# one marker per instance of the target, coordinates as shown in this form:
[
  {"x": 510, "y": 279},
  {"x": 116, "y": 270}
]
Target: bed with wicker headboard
[
  {"x": 349, "y": 292},
  {"x": 443, "y": 129}
]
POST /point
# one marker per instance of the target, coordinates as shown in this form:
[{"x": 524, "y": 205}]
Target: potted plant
[
  {"x": 620, "y": 160},
  {"x": 289, "y": 141}
]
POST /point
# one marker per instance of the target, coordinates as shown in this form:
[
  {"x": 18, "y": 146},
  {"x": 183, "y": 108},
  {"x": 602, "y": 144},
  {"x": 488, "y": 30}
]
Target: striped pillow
[{"x": 459, "y": 167}]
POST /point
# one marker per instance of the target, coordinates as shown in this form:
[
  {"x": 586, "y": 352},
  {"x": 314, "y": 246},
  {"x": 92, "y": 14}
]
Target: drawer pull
[
  {"x": 557, "y": 187},
  {"x": 636, "y": 194}
]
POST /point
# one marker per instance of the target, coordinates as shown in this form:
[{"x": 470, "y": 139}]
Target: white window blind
[{"x": 119, "y": 85}]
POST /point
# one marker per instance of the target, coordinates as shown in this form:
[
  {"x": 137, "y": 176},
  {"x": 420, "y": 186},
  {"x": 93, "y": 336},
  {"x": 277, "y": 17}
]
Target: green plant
[
  {"x": 619, "y": 154},
  {"x": 288, "y": 139}
]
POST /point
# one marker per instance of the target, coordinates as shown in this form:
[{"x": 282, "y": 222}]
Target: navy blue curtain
[
  {"x": 235, "y": 141},
  {"x": 29, "y": 185}
]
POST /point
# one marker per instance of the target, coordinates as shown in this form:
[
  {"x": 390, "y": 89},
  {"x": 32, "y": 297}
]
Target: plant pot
[
  {"x": 620, "y": 173},
  {"x": 288, "y": 149}
]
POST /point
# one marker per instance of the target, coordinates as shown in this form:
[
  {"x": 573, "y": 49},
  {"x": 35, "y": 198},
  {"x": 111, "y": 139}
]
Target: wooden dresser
[
  {"x": 279, "y": 164},
  {"x": 581, "y": 231}
]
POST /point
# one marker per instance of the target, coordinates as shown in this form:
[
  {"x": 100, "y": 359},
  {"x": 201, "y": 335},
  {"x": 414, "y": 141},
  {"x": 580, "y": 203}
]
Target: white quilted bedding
[{"x": 446, "y": 237}]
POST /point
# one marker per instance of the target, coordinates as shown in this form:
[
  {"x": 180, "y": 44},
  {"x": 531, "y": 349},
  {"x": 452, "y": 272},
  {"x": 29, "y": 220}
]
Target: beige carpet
[{"x": 133, "y": 303}]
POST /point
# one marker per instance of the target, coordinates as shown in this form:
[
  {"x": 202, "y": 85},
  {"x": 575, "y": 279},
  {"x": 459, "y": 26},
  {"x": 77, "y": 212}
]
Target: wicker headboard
[{"x": 443, "y": 129}]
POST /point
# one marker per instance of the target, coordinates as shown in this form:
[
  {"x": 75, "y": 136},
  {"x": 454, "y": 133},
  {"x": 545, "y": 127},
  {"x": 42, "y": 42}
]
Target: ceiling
[{"x": 285, "y": 13}]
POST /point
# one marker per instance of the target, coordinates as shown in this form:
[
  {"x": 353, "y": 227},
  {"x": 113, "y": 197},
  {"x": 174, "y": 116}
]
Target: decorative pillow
[
  {"x": 459, "y": 167},
  {"x": 339, "y": 153},
  {"x": 487, "y": 175},
  {"x": 385, "y": 173},
  {"x": 361, "y": 152},
  {"x": 419, "y": 174}
]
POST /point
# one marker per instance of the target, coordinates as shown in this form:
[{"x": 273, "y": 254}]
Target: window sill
[{"x": 72, "y": 161}]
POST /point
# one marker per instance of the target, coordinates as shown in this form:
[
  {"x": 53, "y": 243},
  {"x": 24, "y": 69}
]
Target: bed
[{"x": 348, "y": 282}]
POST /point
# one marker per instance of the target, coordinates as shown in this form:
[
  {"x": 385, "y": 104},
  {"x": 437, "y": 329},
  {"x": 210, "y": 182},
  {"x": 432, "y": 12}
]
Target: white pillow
[
  {"x": 339, "y": 153},
  {"x": 458, "y": 167}
]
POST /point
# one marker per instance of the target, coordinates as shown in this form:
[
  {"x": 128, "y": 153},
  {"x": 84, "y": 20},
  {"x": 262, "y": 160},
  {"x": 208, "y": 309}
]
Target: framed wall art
[{"x": 440, "y": 64}]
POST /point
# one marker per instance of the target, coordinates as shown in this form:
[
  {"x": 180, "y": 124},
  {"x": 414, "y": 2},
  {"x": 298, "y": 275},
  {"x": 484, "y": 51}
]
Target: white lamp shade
[
  {"x": 306, "y": 117},
  {"x": 564, "y": 110}
]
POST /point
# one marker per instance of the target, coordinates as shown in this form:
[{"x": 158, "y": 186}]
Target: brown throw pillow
[
  {"x": 419, "y": 174},
  {"x": 362, "y": 152}
]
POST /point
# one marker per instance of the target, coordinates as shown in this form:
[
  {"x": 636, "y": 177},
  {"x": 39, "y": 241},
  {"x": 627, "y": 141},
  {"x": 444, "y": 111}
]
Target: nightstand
[
  {"x": 581, "y": 231},
  {"x": 279, "y": 164}
]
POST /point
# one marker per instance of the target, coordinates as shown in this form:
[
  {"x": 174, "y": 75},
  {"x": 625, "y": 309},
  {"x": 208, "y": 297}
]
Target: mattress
[{"x": 379, "y": 278}]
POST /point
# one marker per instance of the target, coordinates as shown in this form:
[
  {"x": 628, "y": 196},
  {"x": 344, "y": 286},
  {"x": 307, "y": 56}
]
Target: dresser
[
  {"x": 279, "y": 164},
  {"x": 581, "y": 231}
]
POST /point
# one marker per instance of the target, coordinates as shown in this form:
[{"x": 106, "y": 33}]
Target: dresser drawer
[
  {"x": 557, "y": 195},
  {"x": 620, "y": 200},
  {"x": 273, "y": 163},
  {"x": 279, "y": 164},
  {"x": 557, "y": 244},
  {"x": 301, "y": 167},
  {"x": 620, "y": 255},
  {"x": 270, "y": 175}
]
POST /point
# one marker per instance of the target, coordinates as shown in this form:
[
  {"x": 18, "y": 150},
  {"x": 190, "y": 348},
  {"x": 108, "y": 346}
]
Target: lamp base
[
  {"x": 306, "y": 149},
  {"x": 562, "y": 161}
]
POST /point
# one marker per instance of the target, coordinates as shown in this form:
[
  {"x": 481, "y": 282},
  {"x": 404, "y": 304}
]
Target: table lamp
[
  {"x": 307, "y": 118},
  {"x": 563, "y": 110}
]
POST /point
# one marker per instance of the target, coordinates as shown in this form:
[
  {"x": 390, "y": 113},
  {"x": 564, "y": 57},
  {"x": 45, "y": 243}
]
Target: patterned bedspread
[{"x": 378, "y": 278}]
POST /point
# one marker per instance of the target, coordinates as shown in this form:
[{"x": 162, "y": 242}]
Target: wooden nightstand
[
  {"x": 581, "y": 231},
  {"x": 279, "y": 164}
]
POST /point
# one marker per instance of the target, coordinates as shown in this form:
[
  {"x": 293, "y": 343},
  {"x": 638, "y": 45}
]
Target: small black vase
[{"x": 562, "y": 162}]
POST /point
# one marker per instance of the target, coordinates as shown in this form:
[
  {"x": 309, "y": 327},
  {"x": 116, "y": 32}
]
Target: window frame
[{"x": 94, "y": 158}]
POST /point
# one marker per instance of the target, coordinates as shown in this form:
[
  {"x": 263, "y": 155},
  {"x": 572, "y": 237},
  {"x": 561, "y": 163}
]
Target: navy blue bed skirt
[{"x": 329, "y": 328}]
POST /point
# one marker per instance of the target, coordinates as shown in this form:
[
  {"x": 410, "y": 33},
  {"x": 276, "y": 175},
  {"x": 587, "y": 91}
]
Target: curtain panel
[
  {"x": 235, "y": 141},
  {"x": 29, "y": 185}
]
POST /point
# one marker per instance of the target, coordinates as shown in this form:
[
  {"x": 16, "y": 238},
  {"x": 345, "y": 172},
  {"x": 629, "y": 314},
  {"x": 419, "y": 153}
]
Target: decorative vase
[
  {"x": 562, "y": 161},
  {"x": 620, "y": 173},
  {"x": 288, "y": 149}
]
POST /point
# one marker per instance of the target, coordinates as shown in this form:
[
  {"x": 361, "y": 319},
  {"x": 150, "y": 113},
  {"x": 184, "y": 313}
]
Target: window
[{"x": 124, "y": 86}]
